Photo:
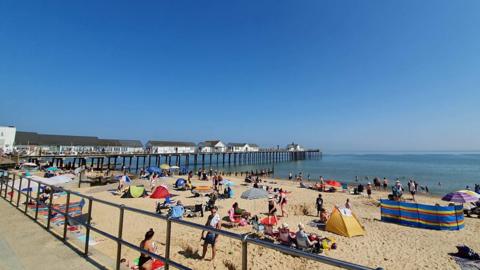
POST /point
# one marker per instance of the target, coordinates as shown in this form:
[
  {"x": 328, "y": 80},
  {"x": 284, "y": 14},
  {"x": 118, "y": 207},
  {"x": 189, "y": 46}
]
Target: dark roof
[
  {"x": 169, "y": 143},
  {"x": 253, "y": 145},
  {"x": 209, "y": 143},
  {"x": 33, "y": 138},
  {"x": 237, "y": 144},
  {"x": 26, "y": 138},
  {"x": 131, "y": 143}
]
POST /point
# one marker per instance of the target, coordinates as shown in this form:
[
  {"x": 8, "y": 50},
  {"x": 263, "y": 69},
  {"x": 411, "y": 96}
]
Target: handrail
[{"x": 244, "y": 238}]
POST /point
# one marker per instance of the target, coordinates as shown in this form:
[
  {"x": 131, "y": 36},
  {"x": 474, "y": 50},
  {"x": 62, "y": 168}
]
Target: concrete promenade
[{"x": 26, "y": 245}]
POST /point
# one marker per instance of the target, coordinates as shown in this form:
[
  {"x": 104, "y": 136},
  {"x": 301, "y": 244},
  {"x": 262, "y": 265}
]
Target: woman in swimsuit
[{"x": 145, "y": 261}]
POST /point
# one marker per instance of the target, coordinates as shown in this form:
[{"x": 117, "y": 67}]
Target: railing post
[
  {"x": 36, "y": 201},
  {"x": 120, "y": 233},
  {"x": 13, "y": 186},
  {"x": 244, "y": 253},
  {"x": 89, "y": 218},
  {"x": 50, "y": 208},
  {"x": 167, "y": 243},
  {"x": 27, "y": 199},
  {"x": 65, "y": 224},
  {"x": 19, "y": 192}
]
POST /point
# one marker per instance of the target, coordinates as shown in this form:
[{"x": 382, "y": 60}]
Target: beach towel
[{"x": 466, "y": 264}]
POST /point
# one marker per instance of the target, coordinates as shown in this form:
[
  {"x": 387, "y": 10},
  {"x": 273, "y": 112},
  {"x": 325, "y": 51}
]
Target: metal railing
[{"x": 244, "y": 238}]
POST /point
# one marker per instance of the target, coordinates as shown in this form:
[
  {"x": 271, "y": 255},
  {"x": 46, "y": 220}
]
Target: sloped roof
[
  {"x": 253, "y": 145},
  {"x": 237, "y": 144},
  {"x": 130, "y": 143},
  {"x": 33, "y": 138},
  {"x": 170, "y": 143},
  {"x": 209, "y": 143}
]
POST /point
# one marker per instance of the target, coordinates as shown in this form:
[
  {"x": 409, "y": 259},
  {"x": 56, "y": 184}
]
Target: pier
[{"x": 135, "y": 161}]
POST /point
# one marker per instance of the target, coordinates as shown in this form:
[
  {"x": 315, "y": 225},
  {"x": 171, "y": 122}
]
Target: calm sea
[{"x": 440, "y": 172}]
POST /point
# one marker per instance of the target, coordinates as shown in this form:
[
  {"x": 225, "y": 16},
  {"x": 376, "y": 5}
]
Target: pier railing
[{"x": 8, "y": 191}]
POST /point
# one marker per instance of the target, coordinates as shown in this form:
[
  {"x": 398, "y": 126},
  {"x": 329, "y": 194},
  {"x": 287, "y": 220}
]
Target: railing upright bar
[
  {"x": 167, "y": 244},
  {"x": 19, "y": 192},
  {"x": 50, "y": 203},
  {"x": 120, "y": 235},
  {"x": 36, "y": 201},
  {"x": 244, "y": 253},
  {"x": 89, "y": 219},
  {"x": 65, "y": 222},
  {"x": 13, "y": 186},
  {"x": 27, "y": 199}
]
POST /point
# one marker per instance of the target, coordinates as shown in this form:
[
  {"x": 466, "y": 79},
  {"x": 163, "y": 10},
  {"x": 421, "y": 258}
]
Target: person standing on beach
[
  {"x": 322, "y": 184},
  {"x": 290, "y": 176},
  {"x": 412, "y": 188},
  {"x": 283, "y": 202},
  {"x": 213, "y": 221},
  {"x": 385, "y": 183},
  {"x": 319, "y": 204},
  {"x": 369, "y": 190}
]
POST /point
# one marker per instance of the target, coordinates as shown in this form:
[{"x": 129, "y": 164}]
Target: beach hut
[
  {"x": 344, "y": 222},
  {"x": 180, "y": 183},
  {"x": 134, "y": 192},
  {"x": 160, "y": 192},
  {"x": 254, "y": 193}
]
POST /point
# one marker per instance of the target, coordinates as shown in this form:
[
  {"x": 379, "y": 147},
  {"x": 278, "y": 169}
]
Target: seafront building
[
  {"x": 212, "y": 147},
  {"x": 7, "y": 138},
  {"x": 32, "y": 143},
  {"x": 164, "y": 147},
  {"x": 295, "y": 147},
  {"x": 243, "y": 147}
]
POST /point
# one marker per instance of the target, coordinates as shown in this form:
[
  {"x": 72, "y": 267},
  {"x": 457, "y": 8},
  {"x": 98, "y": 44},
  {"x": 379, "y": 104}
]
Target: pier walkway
[{"x": 25, "y": 245}]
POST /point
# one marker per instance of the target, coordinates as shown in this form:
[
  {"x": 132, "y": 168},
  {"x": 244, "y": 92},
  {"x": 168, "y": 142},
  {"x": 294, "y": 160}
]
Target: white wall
[
  {"x": 7, "y": 138},
  {"x": 173, "y": 149}
]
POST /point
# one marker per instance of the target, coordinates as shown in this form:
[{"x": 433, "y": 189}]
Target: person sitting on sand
[
  {"x": 145, "y": 261},
  {"x": 213, "y": 221},
  {"x": 348, "y": 205},
  {"x": 324, "y": 216},
  {"x": 284, "y": 236},
  {"x": 303, "y": 239},
  {"x": 237, "y": 211}
]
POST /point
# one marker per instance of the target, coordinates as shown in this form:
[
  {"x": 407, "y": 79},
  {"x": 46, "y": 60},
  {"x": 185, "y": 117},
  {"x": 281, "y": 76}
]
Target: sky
[{"x": 354, "y": 75}]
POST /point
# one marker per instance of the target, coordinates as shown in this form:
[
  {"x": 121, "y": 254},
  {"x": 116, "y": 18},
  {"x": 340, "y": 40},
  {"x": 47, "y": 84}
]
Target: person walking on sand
[
  {"x": 213, "y": 221},
  {"x": 283, "y": 202},
  {"x": 385, "y": 183},
  {"x": 369, "y": 190}
]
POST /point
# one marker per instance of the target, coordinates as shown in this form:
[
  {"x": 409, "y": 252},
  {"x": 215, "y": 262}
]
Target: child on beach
[{"x": 319, "y": 204}]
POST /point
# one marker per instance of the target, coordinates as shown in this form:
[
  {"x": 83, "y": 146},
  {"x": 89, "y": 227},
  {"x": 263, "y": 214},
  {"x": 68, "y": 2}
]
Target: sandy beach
[{"x": 384, "y": 245}]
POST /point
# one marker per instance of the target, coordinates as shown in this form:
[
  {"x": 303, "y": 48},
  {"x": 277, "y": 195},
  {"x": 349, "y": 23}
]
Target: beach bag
[{"x": 467, "y": 253}]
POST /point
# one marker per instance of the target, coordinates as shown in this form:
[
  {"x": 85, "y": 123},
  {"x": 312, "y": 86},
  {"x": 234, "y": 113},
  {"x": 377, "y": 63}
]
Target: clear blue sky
[{"x": 340, "y": 75}]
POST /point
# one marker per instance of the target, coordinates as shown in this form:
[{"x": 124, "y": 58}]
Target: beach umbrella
[
  {"x": 333, "y": 183},
  {"x": 471, "y": 193},
  {"x": 270, "y": 220},
  {"x": 174, "y": 167},
  {"x": 164, "y": 166},
  {"x": 153, "y": 169},
  {"x": 254, "y": 193},
  {"x": 227, "y": 182},
  {"x": 459, "y": 197}
]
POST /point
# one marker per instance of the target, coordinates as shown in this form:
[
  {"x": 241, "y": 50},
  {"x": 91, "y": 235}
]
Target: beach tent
[
  {"x": 52, "y": 169},
  {"x": 57, "y": 180},
  {"x": 153, "y": 169},
  {"x": 160, "y": 192},
  {"x": 333, "y": 183},
  {"x": 180, "y": 183},
  {"x": 344, "y": 222},
  {"x": 134, "y": 192},
  {"x": 254, "y": 193}
]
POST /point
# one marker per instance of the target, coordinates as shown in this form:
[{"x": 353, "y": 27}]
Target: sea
[{"x": 440, "y": 172}]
